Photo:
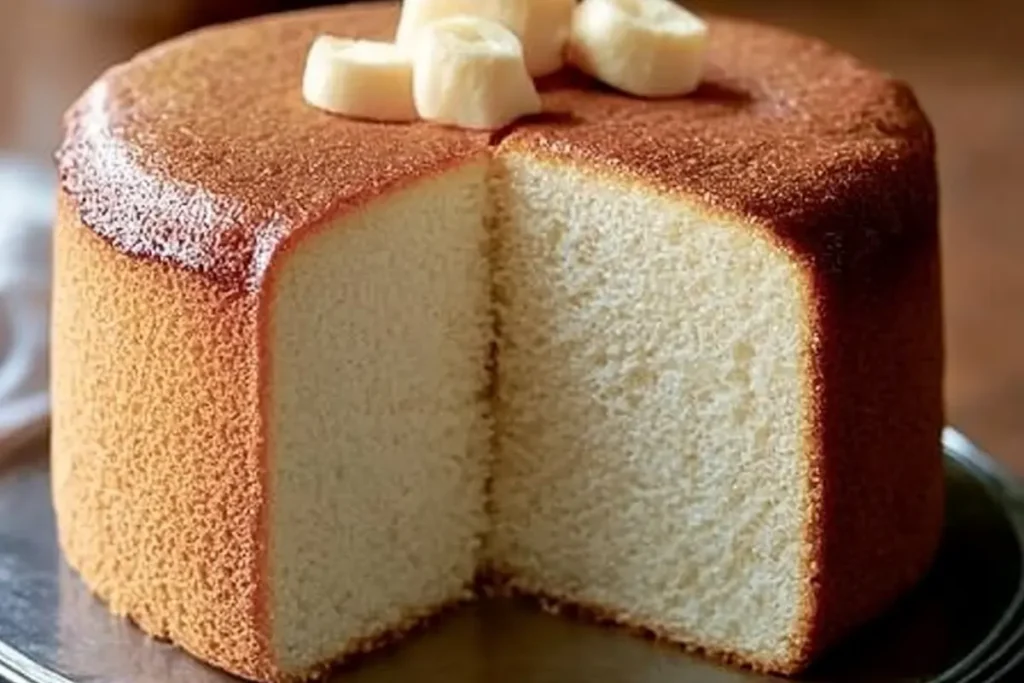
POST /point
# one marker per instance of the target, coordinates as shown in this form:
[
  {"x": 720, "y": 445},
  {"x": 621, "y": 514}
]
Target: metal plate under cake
[{"x": 965, "y": 623}]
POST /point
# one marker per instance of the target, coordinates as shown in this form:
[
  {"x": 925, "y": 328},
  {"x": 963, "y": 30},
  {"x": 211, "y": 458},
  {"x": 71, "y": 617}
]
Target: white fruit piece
[
  {"x": 469, "y": 72},
  {"x": 541, "y": 25},
  {"x": 546, "y": 34},
  {"x": 649, "y": 48},
  {"x": 359, "y": 78},
  {"x": 417, "y": 14}
]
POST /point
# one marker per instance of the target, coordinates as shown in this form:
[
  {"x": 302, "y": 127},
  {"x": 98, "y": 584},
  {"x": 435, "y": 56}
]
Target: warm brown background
[{"x": 964, "y": 57}]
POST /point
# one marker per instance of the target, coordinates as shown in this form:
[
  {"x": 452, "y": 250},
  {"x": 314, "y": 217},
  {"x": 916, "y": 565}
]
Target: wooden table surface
[{"x": 965, "y": 59}]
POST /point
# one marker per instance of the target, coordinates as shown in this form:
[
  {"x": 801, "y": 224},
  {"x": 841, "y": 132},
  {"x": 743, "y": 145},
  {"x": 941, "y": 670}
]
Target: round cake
[{"x": 675, "y": 362}]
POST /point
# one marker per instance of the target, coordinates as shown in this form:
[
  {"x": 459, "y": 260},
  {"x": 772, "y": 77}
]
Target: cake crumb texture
[{"x": 378, "y": 457}]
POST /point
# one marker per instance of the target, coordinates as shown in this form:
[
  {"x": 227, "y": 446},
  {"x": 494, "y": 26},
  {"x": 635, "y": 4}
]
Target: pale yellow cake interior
[
  {"x": 648, "y": 405},
  {"x": 381, "y": 330},
  {"x": 649, "y": 411}
]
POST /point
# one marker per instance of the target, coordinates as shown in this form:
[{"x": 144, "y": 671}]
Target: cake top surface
[{"x": 202, "y": 153}]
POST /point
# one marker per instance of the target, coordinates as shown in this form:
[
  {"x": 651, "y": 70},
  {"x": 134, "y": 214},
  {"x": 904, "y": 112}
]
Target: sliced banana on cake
[
  {"x": 470, "y": 73},
  {"x": 359, "y": 78},
  {"x": 541, "y": 25},
  {"x": 546, "y": 34},
  {"x": 650, "y": 48},
  {"x": 419, "y": 13}
]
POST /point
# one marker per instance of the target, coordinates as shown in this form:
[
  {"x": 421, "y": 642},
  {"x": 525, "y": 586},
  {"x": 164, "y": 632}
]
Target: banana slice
[
  {"x": 541, "y": 25},
  {"x": 359, "y": 78},
  {"x": 650, "y": 48},
  {"x": 416, "y": 14},
  {"x": 469, "y": 72},
  {"x": 546, "y": 34}
]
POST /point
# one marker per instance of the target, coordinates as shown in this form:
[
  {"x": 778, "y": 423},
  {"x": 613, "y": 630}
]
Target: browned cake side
[
  {"x": 157, "y": 471},
  {"x": 185, "y": 171}
]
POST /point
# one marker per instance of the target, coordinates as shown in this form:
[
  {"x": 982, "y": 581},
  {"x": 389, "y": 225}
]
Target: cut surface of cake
[
  {"x": 677, "y": 362},
  {"x": 630, "y": 364},
  {"x": 393, "y": 309}
]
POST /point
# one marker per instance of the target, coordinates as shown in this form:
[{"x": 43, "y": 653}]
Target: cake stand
[{"x": 963, "y": 624}]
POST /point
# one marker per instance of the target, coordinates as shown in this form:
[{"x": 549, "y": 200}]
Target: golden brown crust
[
  {"x": 878, "y": 483},
  {"x": 157, "y": 447}
]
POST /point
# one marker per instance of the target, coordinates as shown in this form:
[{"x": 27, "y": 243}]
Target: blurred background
[{"x": 965, "y": 58}]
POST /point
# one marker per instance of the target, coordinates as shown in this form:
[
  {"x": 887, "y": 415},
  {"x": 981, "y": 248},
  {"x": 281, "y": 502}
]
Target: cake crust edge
[{"x": 210, "y": 603}]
